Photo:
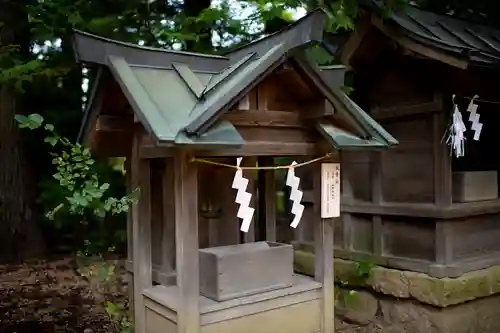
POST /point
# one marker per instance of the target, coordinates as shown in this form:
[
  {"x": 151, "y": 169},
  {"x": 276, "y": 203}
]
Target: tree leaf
[
  {"x": 35, "y": 120},
  {"x": 21, "y": 119},
  {"x": 51, "y": 140}
]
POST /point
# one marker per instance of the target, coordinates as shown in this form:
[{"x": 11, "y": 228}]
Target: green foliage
[
  {"x": 117, "y": 313},
  {"x": 15, "y": 73},
  {"x": 343, "y": 292},
  {"x": 76, "y": 176},
  {"x": 105, "y": 280}
]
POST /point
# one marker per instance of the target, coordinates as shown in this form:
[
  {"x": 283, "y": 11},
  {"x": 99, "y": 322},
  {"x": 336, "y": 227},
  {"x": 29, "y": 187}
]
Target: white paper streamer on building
[
  {"x": 474, "y": 118},
  {"x": 456, "y": 137},
  {"x": 295, "y": 195},
  {"x": 245, "y": 212}
]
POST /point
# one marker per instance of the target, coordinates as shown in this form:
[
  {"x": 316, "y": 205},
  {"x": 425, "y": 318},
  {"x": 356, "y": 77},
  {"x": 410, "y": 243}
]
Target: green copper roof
[
  {"x": 181, "y": 102},
  {"x": 221, "y": 99},
  {"x": 342, "y": 139},
  {"x": 221, "y": 134}
]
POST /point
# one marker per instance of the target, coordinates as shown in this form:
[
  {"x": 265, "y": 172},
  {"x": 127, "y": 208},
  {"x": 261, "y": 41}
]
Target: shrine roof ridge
[{"x": 179, "y": 97}]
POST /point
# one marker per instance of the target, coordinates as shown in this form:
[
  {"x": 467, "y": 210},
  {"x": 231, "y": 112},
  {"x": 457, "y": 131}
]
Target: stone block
[
  {"x": 406, "y": 284},
  {"x": 359, "y": 307},
  {"x": 389, "y": 282}
]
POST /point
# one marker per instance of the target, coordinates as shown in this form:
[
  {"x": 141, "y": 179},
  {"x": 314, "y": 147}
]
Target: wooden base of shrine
[{"x": 296, "y": 309}]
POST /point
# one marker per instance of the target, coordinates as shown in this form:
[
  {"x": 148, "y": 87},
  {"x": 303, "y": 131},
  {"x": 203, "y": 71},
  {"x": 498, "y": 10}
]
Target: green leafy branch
[
  {"x": 362, "y": 273},
  {"x": 106, "y": 283},
  {"x": 14, "y": 72},
  {"x": 75, "y": 174}
]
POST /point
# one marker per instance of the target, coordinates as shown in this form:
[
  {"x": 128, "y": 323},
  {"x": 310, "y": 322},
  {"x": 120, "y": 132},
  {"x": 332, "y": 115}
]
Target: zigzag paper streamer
[
  {"x": 245, "y": 212},
  {"x": 295, "y": 195},
  {"x": 474, "y": 118}
]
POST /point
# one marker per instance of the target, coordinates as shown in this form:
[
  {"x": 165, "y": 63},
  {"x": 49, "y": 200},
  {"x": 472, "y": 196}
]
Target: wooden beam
[
  {"x": 355, "y": 40},
  {"x": 264, "y": 148},
  {"x": 428, "y": 210},
  {"x": 323, "y": 249},
  {"x": 261, "y": 148},
  {"x": 406, "y": 110},
  {"x": 255, "y": 118},
  {"x": 148, "y": 151},
  {"x": 141, "y": 234},
  {"x": 417, "y": 47},
  {"x": 186, "y": 241},
  {"x": 109, "y": 123}
]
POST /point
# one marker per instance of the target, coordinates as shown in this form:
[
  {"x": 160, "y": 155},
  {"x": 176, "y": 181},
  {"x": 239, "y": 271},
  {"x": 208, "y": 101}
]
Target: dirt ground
[{"x": 50, "y": 296}]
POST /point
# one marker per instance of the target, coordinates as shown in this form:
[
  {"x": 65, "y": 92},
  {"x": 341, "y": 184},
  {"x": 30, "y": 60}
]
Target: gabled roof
[
  {"x": 466, "y": 40},
  {"x": 301, "y": 34},
  {"x": 93, "y": 49},
  {"x": 180, "y": 96}
]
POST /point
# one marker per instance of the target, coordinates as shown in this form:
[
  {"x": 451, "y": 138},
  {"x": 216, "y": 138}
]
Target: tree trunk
[{"x": 20, "y": 237}]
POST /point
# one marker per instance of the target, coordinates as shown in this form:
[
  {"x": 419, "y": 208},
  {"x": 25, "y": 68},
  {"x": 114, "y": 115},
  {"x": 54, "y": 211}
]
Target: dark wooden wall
[{"x": 397, "y": 204}]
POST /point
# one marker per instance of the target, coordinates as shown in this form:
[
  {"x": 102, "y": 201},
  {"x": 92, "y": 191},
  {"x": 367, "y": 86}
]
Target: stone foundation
[{"x": 393, "y": 301}]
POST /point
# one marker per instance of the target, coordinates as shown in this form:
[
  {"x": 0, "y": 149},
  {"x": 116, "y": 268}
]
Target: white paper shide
[
  {"x": 476, "y": 126},
  {"x": 245, "y": 212},
  {"x": 456, "y": 135},
  {"x": 295, "y": 195},
  {"x": 330, "y": 190}
]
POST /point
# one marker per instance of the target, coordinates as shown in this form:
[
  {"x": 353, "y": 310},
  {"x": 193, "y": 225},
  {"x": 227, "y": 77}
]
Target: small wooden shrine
[
  {"x": 185, "y": 122},
  {"x": 417, "y": 207}
]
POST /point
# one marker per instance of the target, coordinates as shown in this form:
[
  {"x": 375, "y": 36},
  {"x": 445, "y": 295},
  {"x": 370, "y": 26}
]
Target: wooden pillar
[
  {"x": 249, "y": 236},
  {"x": 186, "y": 238},
  {"x": 442, "y": 189},
  {"x": 442, "y": 163},
  {"x": 130, "y": 248},
  {"x": 141, "y": 233},
  {"x": 323, "y": 249},
  {"x": 156, "y": 218},
  {"x": 444, "y": 246},
  {"x": 347, "y": 193},
  {"x": 267, "y": 198},
  {"x": 377, "y": 199},
  {"x": 228, "y": 224},
  {"x": 347, "y": 198},
  {"x": 168, "y": 232}
]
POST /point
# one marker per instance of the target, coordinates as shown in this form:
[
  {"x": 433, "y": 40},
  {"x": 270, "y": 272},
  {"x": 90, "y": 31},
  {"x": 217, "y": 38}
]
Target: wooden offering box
[{"x": 229, "y": 272}]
